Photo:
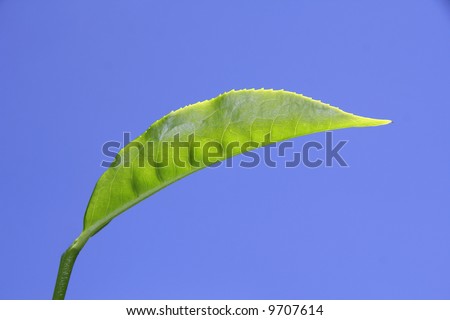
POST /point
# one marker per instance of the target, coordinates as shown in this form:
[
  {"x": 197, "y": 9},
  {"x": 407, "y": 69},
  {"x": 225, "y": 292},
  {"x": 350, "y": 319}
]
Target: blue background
[{"x": 75, "y": 74}]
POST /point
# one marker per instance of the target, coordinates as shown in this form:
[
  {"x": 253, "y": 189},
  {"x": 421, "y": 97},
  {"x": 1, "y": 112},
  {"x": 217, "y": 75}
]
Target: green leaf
[
  {"x": 250, "y": 118},
  {"x": 237, "y": 116}
]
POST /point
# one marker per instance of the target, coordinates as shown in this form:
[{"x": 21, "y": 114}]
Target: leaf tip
[
  {"x": 371, "y": 122},
  {"x": 382, "y": 122}
]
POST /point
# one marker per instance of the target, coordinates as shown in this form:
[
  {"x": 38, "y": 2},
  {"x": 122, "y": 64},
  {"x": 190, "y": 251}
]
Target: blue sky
[{"x": 74, "y": 75}]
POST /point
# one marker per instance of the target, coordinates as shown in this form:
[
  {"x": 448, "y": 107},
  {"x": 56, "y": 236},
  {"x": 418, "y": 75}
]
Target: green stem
[{"x": 66, "y": 265}]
